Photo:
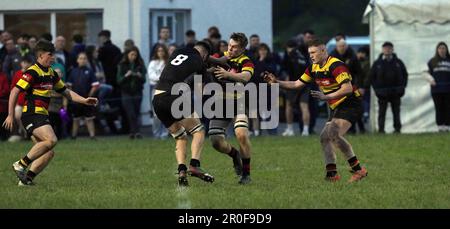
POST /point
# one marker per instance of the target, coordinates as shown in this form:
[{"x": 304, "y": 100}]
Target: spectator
[
  {"x": 47, "y": 37},
  {"x": 214, "y": 39},
  {"x": 32, "y": 43},
  {"x": 109, "y": 55},
  {"x": 78, "y": 46},
  {"x": 172, "y": 48},
  {"x": 439, "y": 69},
  {"x": 57, "y": 102},
  {"x": 11, "y": 63},
  {"x": 19, "y": 132},
  {"x": 253, "y": 46},
  {"x": 189, "y": 39},
  {"x": 213, "y": 29},
  {"x": 389, "y": 78},
  {"x": 363, "y": 82},
  {"x": 308, "y": 35},
  {"x": 4, "y": 95},
  {"x": 5, "y": 36},
  {"x": 128, "y": 44},
  {"x": 264, "y": 62},
  {"x": 104, "y": 90},
  {"x": 61, "y": 55},
  {"x": 131, "y": 78},
  {"x": 82, "y": 80},
  {"x": 164, "y": 38},
  {"x": 294, "y": 64},
  {"x": 339, "y": 36},
  {"x": 155, "y": 68},
  {"x": 22, "y": 45},
  {"x": 223, "y": 47}
]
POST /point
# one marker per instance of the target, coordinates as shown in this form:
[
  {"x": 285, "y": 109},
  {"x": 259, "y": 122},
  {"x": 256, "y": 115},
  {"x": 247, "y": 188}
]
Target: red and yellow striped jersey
[
  {"x": 329, "y": 78},
  {"x": 38, "y": 82},
  {"x": 240, "y": 64}
]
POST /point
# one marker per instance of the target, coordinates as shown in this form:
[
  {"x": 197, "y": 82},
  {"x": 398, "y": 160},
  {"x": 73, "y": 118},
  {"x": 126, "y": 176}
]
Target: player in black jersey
[{"x": 182, "y": 64}]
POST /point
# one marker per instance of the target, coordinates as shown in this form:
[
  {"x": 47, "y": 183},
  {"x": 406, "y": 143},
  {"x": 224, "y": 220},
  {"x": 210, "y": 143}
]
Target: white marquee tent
[{"x": 414, "y": 27}]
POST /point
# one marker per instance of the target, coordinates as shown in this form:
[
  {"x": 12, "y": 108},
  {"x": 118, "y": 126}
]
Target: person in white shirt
[{"x": 155, "y": 67}]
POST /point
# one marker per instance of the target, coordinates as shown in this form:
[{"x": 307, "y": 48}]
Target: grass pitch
[{"x": 405, "y": 171}]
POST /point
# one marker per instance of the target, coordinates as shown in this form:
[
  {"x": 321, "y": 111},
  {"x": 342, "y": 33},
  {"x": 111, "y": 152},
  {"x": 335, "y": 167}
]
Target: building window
[
  {"x": 178, "y": 22},
  {"x": 68, "y": 23},
  {"x": 29, "y": 23},
  {"x": 86, "y": 24}
]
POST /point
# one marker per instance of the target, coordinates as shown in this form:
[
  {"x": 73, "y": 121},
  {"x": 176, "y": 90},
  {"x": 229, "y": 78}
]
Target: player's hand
[
  {"x": 319, "y": 95},
  {"x": 9, "y": 123},
  {"x": 269, "y": 77},
  {"x": 129, "y": 73},
  {"x": 220, "y": 73},
  {"x": 91, "y": 101}
]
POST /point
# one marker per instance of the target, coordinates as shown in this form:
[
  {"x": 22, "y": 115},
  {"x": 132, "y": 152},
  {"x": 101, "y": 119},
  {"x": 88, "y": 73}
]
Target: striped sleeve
[
  {"x": 247, "y": 65},
  {"x": 26, "y": 80},
  {"x": 306, "y": 77},
  {"x": 58, "y": 84},
  {"x": 340, "y": 72}
]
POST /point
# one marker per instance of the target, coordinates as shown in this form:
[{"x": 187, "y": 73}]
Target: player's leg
[
  {"x": 46, "y": 140},
  {"x": 241, "y": 132},
  {"x": 179, "y": 134},
  {"x": 216, "y": 132},
  {"x": 338, "y": 128},
  {"x": 41, "y": 162},
  {"x": 329, "y": 154},
  {"x": 195, "y": 128}
]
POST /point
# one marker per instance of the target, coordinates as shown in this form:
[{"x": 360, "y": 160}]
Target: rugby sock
[
  {"x": 354, "y": 163},
  {"x": 195, "y": 162},
  {"x": 182, "y": 167},
  {"x": 233, "y": 152},
  {"x": 25, "y": 161},
  {"x": 246, "y": 166},
  {"x": 331, "y": 170},
  {"x": 31, "y": 174}
]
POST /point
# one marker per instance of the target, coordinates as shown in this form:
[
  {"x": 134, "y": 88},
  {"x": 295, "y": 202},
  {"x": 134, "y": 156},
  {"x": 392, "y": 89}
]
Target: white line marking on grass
[{"x": 182, "y": 195}]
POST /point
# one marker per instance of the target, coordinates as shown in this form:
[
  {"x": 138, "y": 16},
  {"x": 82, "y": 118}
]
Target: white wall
[{"x": 248, "y": 16}]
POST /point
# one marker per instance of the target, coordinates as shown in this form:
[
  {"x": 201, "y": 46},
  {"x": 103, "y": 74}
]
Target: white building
[{"x": 139, "y": 20}]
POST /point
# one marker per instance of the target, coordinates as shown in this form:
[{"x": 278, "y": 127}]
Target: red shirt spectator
[
  {"x": 4, "y": 93},
  {"x": 21, "y": 98}
]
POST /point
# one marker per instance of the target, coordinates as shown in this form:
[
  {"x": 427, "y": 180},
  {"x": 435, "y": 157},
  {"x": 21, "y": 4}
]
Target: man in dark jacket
[
  {"x": 389, "y": 78},
  {"x": 109, "y": 54}
]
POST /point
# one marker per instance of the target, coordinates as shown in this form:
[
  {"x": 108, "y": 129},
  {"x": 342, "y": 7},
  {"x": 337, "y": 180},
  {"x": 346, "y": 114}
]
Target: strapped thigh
[
  {"x": 180, "y": 133},
  {"x": 218, "y": 127},
  {"x": 241, "y": 121},
  {"x": 196, "y": 128}
]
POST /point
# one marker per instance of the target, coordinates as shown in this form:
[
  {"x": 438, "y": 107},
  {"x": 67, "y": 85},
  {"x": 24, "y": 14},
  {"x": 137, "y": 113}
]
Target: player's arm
[
  {"x": 73, "y": 96},
  {"x": 218, "y": 60},
  {"x": 9, "y": 121},
  {"x": 221, "y": 73},
  {"x": 271, "y": 79},
  {"x": 345, "y": 90}
]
